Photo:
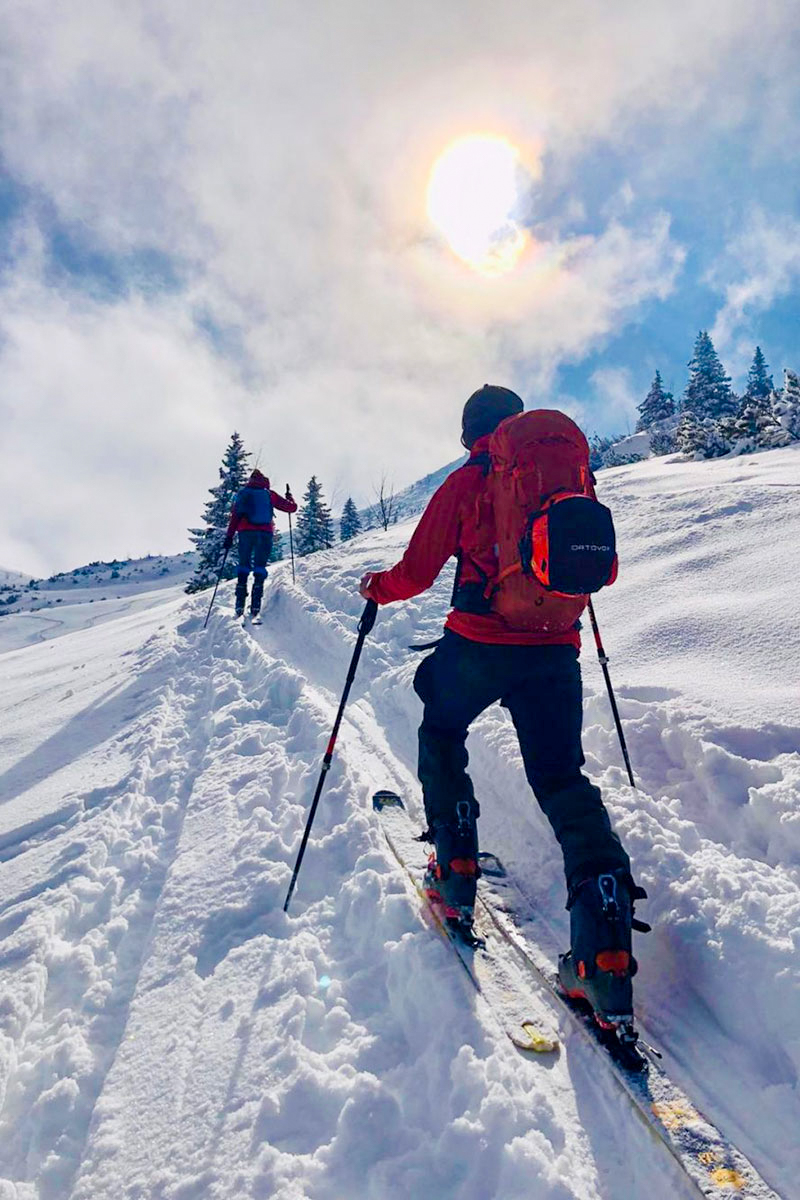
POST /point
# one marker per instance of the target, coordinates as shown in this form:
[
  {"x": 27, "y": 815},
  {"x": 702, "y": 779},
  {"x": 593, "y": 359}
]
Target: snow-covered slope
[
  {"x": 9, "y": 579},
  {"x": 166, "y": 1031},
  {"x": 60, "y": 602}
]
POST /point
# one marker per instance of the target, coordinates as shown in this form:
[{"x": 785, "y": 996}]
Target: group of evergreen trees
[
  {"x": 314, "y": 528},
  {"x": 711, "y": 419},
  {"x": 315, "y": 524}
]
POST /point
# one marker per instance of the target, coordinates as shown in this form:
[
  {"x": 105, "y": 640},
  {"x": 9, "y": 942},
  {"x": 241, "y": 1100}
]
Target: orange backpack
[{"x": 553, "y": 542}]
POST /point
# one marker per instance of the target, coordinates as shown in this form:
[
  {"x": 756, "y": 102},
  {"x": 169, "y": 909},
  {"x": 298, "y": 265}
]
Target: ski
[
  {"x": 524, "y": 1018},
  {"x": 713, "y": 1164}
]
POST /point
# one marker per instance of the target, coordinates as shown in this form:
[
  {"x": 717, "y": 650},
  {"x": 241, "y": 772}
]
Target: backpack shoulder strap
[{"x": 482, "y": 460}]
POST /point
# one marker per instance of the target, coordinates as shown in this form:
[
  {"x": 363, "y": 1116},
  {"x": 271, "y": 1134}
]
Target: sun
[{"x": 473, "y": 197}]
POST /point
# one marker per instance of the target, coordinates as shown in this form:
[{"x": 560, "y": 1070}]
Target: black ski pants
[
  {"x": 541, "y": 688},
  {"x": 254, "y": 548}
]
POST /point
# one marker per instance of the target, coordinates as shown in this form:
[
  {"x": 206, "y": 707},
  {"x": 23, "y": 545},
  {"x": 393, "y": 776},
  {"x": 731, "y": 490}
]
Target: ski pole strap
[{"x": 424, "y": 645}]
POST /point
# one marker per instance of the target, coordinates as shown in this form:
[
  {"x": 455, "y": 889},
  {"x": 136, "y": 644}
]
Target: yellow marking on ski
[
  {"x": 674, "y": 1115},
  {"x": 708, "y": 1158},
  {"x": 535, "y": 1040},
  {"x": 727, "y": 1177}
]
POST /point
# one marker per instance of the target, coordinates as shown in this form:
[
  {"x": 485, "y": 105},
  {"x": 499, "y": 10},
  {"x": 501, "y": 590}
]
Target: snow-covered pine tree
[
  {"x": 759, "y": 383},
  {"x": 755, "y": 425},
  {"x": 656, "y": 406},
  {"x": 786, "y": 404},
  {"x": 708, "y": 392},
  {"x": 350, "y": 523},
  {"x": 314, "y": 521},
  {"x": 699, "y": 437},
  {"x": 662, "y": 441},
  {"x": 208, "y": 541},
  {"x": 277, "y": 547}
]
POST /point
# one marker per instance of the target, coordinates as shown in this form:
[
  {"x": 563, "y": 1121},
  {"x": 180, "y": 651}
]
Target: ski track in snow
[{"x": 167, "y": 1031}]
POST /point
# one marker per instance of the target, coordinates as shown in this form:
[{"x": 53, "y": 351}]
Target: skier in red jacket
[
  {"x": 535, "y": 674},
  {"x": 252, "y": 518}
]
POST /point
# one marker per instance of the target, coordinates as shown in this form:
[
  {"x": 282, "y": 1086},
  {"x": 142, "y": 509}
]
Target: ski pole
[
  {"x": 291, "y": 540},
  {"x": 364, "y": 626},
  {"x": 603, "y": 657},
  {"x": 216, "y": 585}
]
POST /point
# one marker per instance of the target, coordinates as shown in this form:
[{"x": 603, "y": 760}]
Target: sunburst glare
[{"x": 473, "y": 195}]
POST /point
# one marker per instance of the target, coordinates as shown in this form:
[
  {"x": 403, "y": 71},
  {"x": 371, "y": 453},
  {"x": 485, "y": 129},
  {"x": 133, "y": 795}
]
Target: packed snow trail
[{"x": 166, "y": 1031}]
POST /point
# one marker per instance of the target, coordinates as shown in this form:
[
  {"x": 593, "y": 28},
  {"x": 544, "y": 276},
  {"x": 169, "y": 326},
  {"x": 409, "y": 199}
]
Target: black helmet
[{"x": 484, "y": 411}]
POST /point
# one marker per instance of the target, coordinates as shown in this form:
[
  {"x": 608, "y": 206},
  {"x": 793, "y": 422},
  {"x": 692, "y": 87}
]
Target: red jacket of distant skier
[
  {"x": 282, "y": 503},
  {"x": 446, "y": 527}
]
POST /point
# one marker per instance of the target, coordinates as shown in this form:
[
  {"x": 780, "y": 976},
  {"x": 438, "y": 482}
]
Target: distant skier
[
  {"x": 511, "y": 637},
  {"x": 252, "y": 518}
]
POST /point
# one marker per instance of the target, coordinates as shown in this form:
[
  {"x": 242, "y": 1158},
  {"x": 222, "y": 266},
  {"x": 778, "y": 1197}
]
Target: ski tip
[
  {"x": 535, "y": 1039},
  {"x": 386, "y": 799}
]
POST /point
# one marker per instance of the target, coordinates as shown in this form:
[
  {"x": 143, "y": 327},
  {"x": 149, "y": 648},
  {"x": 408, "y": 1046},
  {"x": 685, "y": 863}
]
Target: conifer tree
[
  {"x": 350, "y": 523},
  {"x": 786, "y": 404},
  {"x": 662, "y": 441},
  {"x": 759, "y": 384},
  {"x": 699, "y": 436},
  {"x": 756, "y": 424},
  {"x": 708, "y": 392},
  {"x": 208, "y": 540},
  {"x": 657, "y": 405},
  {"x": 314, "y": 521}
]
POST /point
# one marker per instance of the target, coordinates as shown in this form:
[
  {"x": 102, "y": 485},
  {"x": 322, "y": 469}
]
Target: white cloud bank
[
  {"x": 279, "y": 153},
  {"x": 761, "y": 265}
]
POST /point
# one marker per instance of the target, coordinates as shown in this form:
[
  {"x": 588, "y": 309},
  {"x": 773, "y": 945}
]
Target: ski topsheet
[
  {"x": 521, "y": 987},
  {"x": 525, "y": 1019}
]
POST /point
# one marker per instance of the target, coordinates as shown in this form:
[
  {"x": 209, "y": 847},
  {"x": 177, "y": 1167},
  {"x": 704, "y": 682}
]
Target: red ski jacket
[
  {"x": 282, "y": 503},
  {"x": 446, "y": 527}
]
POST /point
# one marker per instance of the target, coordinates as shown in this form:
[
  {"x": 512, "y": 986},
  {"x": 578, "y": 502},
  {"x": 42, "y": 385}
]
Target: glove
[
  {"x": 226, "y": 545},
  {"x": 364, "y": 586}
]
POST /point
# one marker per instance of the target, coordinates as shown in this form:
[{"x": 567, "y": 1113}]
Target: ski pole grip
[{"x": 368, "y": 617}]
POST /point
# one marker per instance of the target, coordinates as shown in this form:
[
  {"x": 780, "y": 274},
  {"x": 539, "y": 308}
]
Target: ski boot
[
  {"x": 255, "y": 598},
  {"x": 241, "y": 596},
  {"x": 599, "y": 967},
  {"x": 451, "y": 879}
]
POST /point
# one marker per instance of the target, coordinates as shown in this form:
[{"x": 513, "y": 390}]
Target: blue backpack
[{"x": 256, "y": 505}]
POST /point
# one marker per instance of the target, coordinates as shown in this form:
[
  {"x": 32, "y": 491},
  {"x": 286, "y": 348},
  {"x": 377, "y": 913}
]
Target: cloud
[
  {"x": 279, "y": 163},
  {"x": 617, "y": 397},
  {"x": 759, "y": 265}
]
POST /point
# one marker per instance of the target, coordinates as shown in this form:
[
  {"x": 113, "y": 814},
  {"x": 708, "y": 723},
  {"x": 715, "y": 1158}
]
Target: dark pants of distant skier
[
  {"x": 254, "y": 549},
  {"x": 541, "y": 688}
]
